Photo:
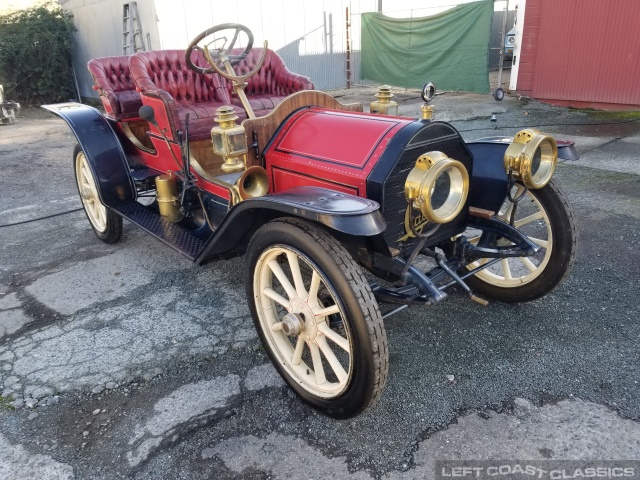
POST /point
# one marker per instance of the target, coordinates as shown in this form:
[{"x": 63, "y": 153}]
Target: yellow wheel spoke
[
  {"x": 529, "y": 264},
  {"x": 332, "y": 359},
  {"x": 297, "y": 276},
  {"x": 323, "y": 312},
  {"x": 317, "y": 364},
  {"x": 282, "y": 278},
  {"x": 478, "y": 263},
  {"x": 297, "y": 353},
  {"x": 276, "y": 297},
  {"x": 315, "y": 286},
  {"x": 334, "y": 337},
  {"x": 537, "y": 241},
  {"x": 506, "y": 269},
  {"x": 531, "y": 218}
]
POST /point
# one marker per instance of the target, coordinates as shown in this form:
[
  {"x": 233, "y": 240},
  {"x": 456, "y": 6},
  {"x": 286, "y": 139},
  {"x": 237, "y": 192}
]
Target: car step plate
[{"x": 174, "y": 235}]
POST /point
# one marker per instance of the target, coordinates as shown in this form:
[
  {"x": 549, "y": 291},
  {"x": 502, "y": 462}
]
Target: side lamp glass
[{"x": 229, "y": 140}]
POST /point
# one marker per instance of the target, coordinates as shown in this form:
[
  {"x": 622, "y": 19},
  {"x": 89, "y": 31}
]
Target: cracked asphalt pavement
[{"x": 127, "y": 361}]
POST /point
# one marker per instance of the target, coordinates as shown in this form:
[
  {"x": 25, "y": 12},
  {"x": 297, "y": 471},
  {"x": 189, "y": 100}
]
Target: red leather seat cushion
[
  {"x": 201, "y": 117},
  {"x": 130, "y": 102},
  {"x": 192, "y": 93},
  {"x": 260, "y": 104},
  {"x": 117, "y": 88},
  {"x": 199, "y": 95}
]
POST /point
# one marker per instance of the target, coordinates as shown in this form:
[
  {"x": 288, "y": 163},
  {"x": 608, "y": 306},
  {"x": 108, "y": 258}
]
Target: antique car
[{"x": 344, "y": 217}]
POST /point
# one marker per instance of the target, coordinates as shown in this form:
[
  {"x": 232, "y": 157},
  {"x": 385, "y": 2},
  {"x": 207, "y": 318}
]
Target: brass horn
[{"x": 254, "y": 182}]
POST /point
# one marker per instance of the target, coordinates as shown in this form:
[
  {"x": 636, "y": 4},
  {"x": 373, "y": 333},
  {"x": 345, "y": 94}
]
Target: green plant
[
  {"x": 5, "y": 403},
  {"x": 35, "y": 54}
]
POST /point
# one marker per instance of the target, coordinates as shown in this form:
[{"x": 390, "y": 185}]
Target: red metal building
[{"x": 580, "y": 53}]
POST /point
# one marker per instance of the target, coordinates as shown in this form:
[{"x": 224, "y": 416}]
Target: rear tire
[
  {"x": 316, "y": 317},
  {"x": 546, "y": 217},
  {"x": 106, "y": 224}
]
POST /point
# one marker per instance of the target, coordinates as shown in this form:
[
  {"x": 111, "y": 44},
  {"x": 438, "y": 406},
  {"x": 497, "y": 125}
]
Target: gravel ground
[{"x": 126, "y": 361}]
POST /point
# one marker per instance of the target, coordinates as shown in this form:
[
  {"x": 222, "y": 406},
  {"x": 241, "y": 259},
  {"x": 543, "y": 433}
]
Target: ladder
[{"x": 132, "y": 38}]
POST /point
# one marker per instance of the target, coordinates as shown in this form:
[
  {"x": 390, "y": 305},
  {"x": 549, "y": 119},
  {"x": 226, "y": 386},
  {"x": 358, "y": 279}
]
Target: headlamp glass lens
[
  {"x": 441, "y": 190},
  {"x": 535, "y": 162}
]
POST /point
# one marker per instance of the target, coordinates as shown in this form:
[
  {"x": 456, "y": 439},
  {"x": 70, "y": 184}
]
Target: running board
[{"x": 174, "y": 235}]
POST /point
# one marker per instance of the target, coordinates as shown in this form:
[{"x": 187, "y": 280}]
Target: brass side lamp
[
  {"x": 384, "y": 105},
  {"x": 229, "y": 140}
]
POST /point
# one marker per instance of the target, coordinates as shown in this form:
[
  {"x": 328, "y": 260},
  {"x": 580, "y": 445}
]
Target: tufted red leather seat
[
  {"x": 272, "y": 84},
  {"x": 164, "y": 74},
  {"x": 116, "y": 87}
]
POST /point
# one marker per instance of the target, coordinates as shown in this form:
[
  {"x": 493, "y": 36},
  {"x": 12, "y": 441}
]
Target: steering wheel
[{"x": 220, "y": 54}]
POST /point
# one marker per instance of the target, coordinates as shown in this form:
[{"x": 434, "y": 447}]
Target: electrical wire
[{"x": 41, "y": 218}]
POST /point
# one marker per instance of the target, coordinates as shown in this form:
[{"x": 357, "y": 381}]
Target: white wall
[
  {"x": 281, "y": 22},
  {"x": 309, "y": 34},
  {"x": 100, "y": 27}
]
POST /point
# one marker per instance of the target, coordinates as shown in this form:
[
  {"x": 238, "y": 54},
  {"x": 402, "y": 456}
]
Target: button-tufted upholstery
[
  {"x": 164, "y": 74},
  {"x": 272, "y": 84},
  {"x": 116, "y": 87}
]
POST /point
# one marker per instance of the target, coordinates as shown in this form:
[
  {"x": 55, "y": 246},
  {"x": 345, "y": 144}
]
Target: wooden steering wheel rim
[{"x": 233, "y": 59}]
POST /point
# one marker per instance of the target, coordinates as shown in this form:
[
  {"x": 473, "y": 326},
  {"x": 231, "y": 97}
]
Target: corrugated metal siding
[
  {"x": 588, "y": 51},
  {"x": 529, "y": 48}
]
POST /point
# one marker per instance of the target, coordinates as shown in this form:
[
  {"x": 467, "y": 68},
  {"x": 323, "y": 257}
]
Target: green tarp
[{"x": 449, "y": 49}]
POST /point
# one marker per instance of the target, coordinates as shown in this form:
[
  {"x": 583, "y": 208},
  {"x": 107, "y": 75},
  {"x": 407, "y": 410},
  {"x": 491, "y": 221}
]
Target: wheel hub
[
  {"x": 86, "y": 194},
  {"x": 292, "y": 324},
  {"x": 302, "y": 310}
]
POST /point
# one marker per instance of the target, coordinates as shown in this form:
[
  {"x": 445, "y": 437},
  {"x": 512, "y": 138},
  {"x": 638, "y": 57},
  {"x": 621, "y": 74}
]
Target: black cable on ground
[{"x": 41, "y": 218}]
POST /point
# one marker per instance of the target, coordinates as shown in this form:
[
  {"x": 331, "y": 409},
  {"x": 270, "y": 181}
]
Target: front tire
[
  {"x": 316, "y": 317},
  {"x": 545, "y": 216},
  {"x": 106, "y": 224}
]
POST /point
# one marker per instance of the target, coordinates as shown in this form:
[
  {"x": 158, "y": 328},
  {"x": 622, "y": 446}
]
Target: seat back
[
  {"x": 167, "y": 70},
  {"x": 273, "y": 78},
  {"x": 112, "y": 79}
]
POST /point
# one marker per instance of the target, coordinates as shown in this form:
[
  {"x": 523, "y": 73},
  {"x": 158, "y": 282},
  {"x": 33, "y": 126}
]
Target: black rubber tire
[
  {"x": 563, "y": 253},
  {"x": 369, "y": 348},
  {"x": 113, "y": 224}
]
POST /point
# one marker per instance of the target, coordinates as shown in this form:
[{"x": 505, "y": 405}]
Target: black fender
[
  {"x": 488, "y": 183},
  {"x": 342, "y": 213},
  {"x": 566, "y": 148},
  {"x": 103, "y": 150}
]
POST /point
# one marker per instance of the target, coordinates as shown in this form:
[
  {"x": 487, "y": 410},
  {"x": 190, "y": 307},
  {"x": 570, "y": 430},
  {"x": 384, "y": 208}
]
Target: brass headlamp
[
  {"x": 532, "y": 158},
  {"x": 229, "y": 140},
  {"x": 437, "y": 186}
]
